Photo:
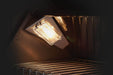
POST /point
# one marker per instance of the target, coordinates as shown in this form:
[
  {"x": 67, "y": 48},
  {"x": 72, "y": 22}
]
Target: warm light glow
[
  {"x": 60, "y": 19},
  {"x": 46, "y": 28},
  {"x": 61, "y": 22},
  {"x": 47, "y": 32}
]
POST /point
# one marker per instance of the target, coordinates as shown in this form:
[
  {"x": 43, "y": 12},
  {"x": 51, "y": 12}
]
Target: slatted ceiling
[
  {"x": 53, "y": 66},
  {"x": 74, "y": 72},
  {"x": 85, "y": 73},
  {"x": 65, "y": 68},
  {"x": 90, "y": 73},
  {"x": 58, "y": 64},
  {"x": 77, "y": 60},
  {"x": 60, "y": 67},
  {"x": 82, "y": 73},
  {"x": 69, "y": 70},
  {"x": 63, "y": 64},
  {"x": 57, "y": 70},
  {"x": 67, "y": 62}
]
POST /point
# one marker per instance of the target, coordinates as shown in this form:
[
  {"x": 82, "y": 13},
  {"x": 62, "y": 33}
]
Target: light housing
[{"x": 47, "y": 29}]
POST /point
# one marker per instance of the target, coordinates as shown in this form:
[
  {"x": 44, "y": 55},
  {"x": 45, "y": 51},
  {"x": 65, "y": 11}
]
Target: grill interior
[
  {"x": 83, "y": 33},
  {"x": 73, "y": 67}
]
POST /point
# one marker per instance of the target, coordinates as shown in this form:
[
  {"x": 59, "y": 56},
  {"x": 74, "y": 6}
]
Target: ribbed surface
[{"x": 61, "y": 68}]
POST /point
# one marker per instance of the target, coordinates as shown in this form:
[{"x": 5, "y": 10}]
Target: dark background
[{"x": 12, "y": 10}]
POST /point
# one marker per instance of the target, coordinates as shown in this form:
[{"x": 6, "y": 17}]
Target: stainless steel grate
[{"x": 61, "y": 68}]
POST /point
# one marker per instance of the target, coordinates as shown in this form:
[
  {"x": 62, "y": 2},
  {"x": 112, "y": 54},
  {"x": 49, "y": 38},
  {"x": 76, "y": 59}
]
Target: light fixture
[{"x": 47, "y": 29}]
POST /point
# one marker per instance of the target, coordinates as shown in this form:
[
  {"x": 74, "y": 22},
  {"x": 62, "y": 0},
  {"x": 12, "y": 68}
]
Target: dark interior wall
[{"x": 12, "y": 8}]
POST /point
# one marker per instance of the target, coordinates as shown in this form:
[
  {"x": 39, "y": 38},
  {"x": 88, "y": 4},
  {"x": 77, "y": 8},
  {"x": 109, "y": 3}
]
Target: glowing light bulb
[
  {"x": 47, "y": 29},
  {"x": 47, "y": 32}
]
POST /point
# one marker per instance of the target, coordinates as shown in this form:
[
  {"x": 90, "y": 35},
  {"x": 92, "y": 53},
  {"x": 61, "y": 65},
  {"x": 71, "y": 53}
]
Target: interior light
[{"x": 47, "y": 29}]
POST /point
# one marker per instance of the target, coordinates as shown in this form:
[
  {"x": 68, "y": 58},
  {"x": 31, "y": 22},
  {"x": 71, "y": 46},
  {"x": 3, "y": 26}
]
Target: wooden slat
[
  {"x": 78, "y": 71},
  {"x": 69, "y": 70},
  {"x": 55, "y": 66},
  {"x": 84, "y": 73},
  {"x": 60, "y": 67},
  {"x": 59, "y": 63}
]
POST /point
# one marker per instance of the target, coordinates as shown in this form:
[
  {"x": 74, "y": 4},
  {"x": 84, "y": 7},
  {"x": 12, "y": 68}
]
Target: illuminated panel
[
  {"x": 47, "y": 32},
  {"x": 47, "y": 29}
]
